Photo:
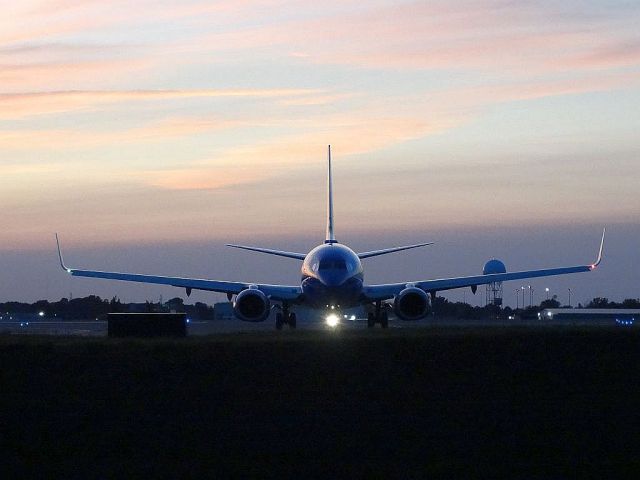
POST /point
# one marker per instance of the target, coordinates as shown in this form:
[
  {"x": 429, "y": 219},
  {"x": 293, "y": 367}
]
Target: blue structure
[{"x": 494, "y": 289}]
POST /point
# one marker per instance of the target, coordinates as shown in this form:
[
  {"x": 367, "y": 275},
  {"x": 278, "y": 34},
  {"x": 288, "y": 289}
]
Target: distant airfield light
[
  {"x": 332, "y": 320},
  {"x": 41, "y": 314},
  {"x": 353, "y": 317},
  {"x": 625, "y": 322}
]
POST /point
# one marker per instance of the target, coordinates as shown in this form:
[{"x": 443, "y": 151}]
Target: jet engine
[
  {"x": 411, "y": 303},
  {"x": 252, "y": 306}
]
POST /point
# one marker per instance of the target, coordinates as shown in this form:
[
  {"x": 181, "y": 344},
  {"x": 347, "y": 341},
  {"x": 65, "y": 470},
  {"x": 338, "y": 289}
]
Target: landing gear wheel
[
  {"x": 371, "y": 320},
  {"x": 292, "y": 321},
  {"x": 384, "y": 320},
  {"x": 279, "y": 321}
]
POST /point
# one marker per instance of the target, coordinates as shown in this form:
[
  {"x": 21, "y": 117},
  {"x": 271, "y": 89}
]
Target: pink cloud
[
  {"x": 528, "y": 90},
  {"x": 509, "y": 37},
  {"x": 20, "y": 105},
  {"x": 610, "y": 56},
  {"x": 59, "y": 139},
  {"x": 353, "y": 134}
]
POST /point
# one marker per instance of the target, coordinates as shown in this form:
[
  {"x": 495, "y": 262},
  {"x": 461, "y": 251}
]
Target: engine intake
[
  {"x": 411, "y": 303},
  {"x": 251, "y": 306}
]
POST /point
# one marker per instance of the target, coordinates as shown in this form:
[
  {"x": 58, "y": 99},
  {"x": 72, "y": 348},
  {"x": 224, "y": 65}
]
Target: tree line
[
  {"x": 95, "y": 307},
  {"x": 443, "y": 307}
]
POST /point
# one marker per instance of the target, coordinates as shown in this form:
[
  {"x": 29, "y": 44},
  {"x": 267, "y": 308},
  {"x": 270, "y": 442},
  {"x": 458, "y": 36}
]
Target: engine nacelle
[
  {"x": 252, "y": 306},
  {"x": 411, "y": 303}
]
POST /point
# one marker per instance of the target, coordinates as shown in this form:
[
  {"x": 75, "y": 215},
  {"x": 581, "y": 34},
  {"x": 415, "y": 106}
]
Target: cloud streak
[
  {"x": 512, "y": 37},
  {"x": 353, "y": 136},
  {"x": 24, "y": 104}
]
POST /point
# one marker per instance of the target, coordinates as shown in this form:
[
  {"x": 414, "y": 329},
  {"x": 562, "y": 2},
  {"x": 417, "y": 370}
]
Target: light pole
[
  {"x": 517, "y": 298},
  {"x": 569, "y": 298},
  {"x": 522, "y": 288},
  {"x": 530, "y": 296},
  {"x": 547, "y": 290}
]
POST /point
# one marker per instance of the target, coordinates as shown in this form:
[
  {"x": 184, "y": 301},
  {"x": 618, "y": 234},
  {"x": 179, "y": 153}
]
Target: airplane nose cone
[{"x": 333, "y": 279}]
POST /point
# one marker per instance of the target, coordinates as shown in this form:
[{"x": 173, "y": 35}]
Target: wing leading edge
[
  {"x": 387, "y": 291},
  {"x": 276, "y": 292}
]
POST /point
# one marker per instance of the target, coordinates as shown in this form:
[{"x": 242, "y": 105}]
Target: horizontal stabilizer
[
  {"x": 385, "y": 251},
  {"x": 280, "y": 253}
]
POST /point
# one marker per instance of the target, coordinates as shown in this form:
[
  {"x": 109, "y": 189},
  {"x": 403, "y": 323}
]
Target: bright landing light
[{"x": 332, "y": 320}]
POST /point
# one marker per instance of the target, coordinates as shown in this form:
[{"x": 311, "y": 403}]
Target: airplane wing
[
  {"x": 387, "y": 291},
  {"x": 275, "y": 292}
]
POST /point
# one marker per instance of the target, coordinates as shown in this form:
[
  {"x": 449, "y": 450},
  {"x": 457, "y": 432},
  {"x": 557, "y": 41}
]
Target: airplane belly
[{"x": 318, "y": 295}]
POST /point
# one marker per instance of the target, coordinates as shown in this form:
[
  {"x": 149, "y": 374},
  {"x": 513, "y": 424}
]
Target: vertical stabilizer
[{"x": 330, "y": 235}]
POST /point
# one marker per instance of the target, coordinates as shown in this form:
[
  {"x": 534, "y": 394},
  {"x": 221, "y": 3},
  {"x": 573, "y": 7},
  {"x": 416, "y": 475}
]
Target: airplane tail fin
[{"x": 330, "y": 234}]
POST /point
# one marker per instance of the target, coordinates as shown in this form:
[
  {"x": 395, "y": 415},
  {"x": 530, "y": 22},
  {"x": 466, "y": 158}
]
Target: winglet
[
  {"x": 68, "y": 270},
  {"x": 599, "y": 259}
]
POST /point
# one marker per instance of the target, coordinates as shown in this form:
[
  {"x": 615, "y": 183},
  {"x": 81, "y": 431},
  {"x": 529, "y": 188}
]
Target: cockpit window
[{"x": 333, "y": 264}]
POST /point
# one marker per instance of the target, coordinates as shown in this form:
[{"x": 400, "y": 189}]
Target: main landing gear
[
  {"x": 379, "y": 316},
  {"x": 286, "y": 318}
]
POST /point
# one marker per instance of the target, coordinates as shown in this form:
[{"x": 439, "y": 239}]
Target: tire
[
  {"x": 371, "y": 320},
  {"x": 384, "y": 320},
  {"x": 293, "y": 320},
  {"x": 279, "y": 321}
]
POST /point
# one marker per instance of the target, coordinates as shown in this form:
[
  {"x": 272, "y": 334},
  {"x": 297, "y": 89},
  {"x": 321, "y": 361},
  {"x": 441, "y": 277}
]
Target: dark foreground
[{"x": 515, "y": 402}]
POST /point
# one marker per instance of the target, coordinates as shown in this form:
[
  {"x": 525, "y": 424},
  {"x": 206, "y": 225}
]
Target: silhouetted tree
[
  {"x": 115, "y": 306},
  {"x": 551, "y": 303},
  {"x": 176, "y": 304},
  {"x": 599, "y": 302},
  {"x": 202, "y": 311}
]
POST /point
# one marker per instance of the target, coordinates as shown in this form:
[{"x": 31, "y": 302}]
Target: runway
[{"x": 98, "y": 328}]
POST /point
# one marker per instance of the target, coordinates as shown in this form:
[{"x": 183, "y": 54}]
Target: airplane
[{"x": 332, "y": 280}]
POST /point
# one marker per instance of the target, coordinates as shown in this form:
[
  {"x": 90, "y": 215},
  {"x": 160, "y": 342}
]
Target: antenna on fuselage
[{"x": 330, "y": 235}]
